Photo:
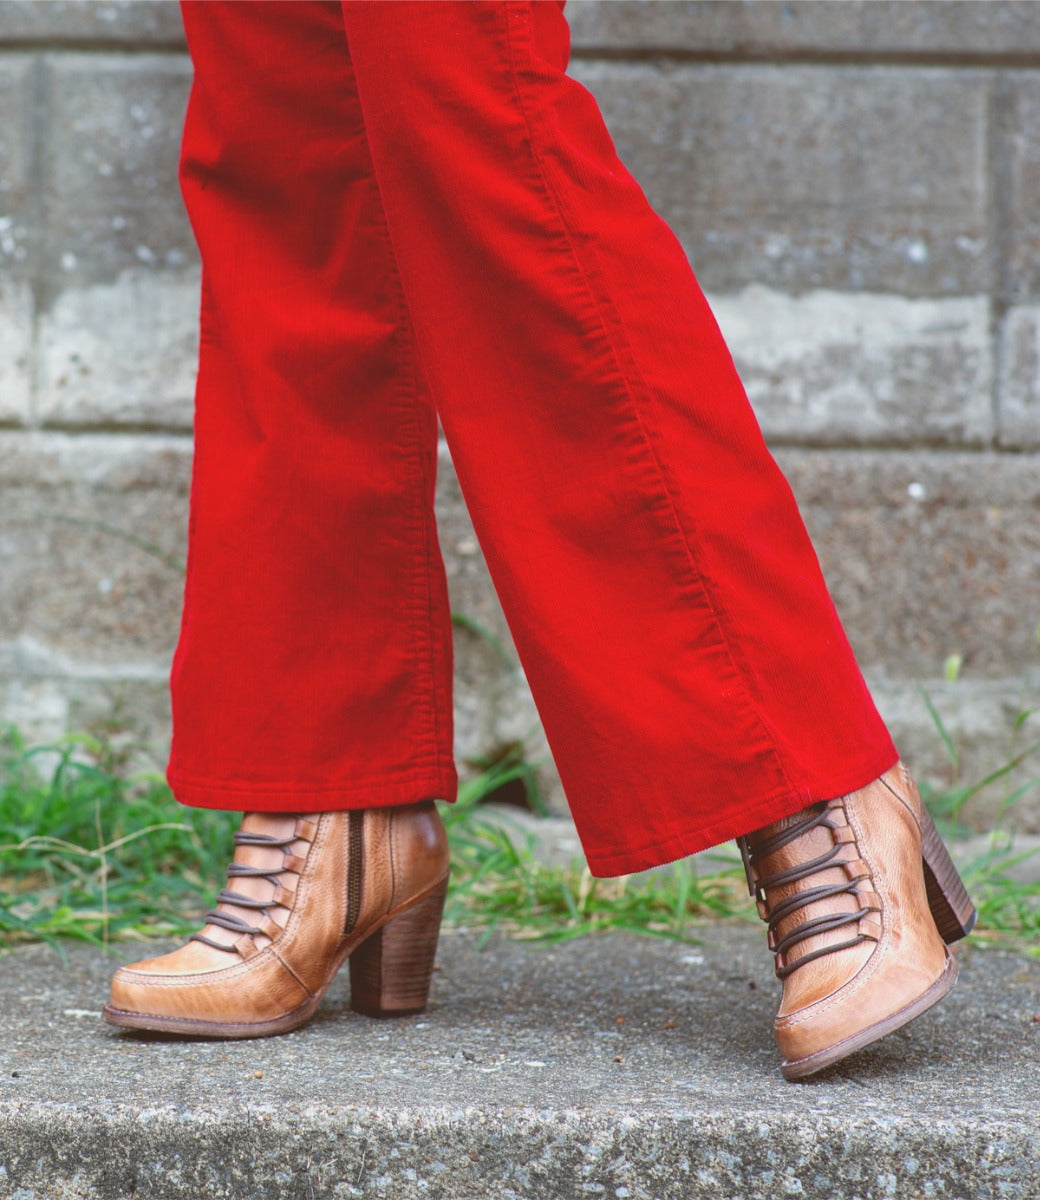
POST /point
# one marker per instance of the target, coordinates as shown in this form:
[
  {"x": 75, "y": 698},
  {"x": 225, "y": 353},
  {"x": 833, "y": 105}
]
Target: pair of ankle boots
[{"x": 859, "y": 893}]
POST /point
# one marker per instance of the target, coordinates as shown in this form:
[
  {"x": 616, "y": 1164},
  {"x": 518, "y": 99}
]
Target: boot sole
[
  {"x": 873, "y": 1033},
  {"x": 429, "y": 903},
  {"x": 191, "y": 1028}
]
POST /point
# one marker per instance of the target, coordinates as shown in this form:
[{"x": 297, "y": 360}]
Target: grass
[
  {"x": 94, "y": 850},
  {"x": 90, "y": 850},
  {"x": 500, "y": 883},
  {"x": 1009, "y": 909}
]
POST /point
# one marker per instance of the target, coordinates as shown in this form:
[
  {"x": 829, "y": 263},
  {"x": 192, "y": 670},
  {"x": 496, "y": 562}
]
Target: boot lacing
[
  {"x": 755, "y": 850},
  {"x": 283, "y": 896}
]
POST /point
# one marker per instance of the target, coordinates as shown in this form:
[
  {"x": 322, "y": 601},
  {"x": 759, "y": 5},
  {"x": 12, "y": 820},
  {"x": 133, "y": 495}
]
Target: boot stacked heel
[
  {"x": 948, "y": 899},
  {"x": 390, "y": 971}
]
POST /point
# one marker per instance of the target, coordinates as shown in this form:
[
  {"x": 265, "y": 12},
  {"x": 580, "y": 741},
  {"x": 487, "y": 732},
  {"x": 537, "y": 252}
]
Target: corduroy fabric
[{"x": 407, "y": 210}]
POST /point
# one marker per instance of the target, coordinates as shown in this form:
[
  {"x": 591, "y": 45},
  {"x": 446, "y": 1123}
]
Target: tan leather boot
[
  {"x": 861, "y": 898},
  {"x": 306, "y": 893}
]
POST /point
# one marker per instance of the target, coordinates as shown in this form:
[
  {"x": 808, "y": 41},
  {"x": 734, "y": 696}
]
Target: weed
[
  {"x": 121, "y": 859},
  {"x": 91, "y": 849},
  {"x": 117, "y": 858},
  {"x": 1008, "y": 905}
]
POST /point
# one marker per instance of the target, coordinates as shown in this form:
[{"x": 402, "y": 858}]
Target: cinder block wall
[{"x": 857, "y": 184}]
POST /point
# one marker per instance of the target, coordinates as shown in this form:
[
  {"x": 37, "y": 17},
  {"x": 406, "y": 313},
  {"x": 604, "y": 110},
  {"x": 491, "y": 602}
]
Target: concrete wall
[{"x": 856, "y": 183}]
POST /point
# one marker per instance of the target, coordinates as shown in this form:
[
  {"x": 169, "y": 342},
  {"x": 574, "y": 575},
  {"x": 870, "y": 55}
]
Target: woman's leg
[
  {"x": 693, "y": 677},
  {"x": 679, "y": 640},
  {"x": 691, "y": 671},
  {"x": 312, "y": 681},
  {"x": 314, "y": 664}
]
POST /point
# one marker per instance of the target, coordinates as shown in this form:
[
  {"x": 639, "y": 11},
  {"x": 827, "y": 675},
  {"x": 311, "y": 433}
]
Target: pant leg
[
  {"x": 685, "y": 656},
  {"x": 313, "y": 669}
]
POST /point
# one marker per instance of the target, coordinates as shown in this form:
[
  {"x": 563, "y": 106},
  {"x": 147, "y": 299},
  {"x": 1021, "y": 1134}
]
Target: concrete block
[
  {"x": 16, "y": 335},
  {"x": 121, "y": 353},
  {"x": 88, "y": 620},
  {"x": 985, "y": 720},
  {"x": 615, "y": 1066},
  {"x": 121, "y": 22},
  {"x": 805, "y": 177},
  {"x": 71, "y": 581},
  {"x": 1019, "y": 413},
  {"x": 18, "y": 214},
  {"x": 763, "y": 28},
  {"x": 927, "y": 554},
  {"x": 1020, "y": 118},
  {"x": 838, "y": 367},
  {"x": 112, "y": 199},
  {"x": 45, "y": 696}
]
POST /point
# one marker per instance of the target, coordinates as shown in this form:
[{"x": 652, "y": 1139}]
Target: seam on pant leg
[
  {"x": 421, "y": 606},
  {"x": 422, "y": 593},
  {"x": 696, "y": 570}
]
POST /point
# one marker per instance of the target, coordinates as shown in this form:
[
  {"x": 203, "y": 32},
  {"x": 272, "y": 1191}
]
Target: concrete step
[{"x": 618, "y": 1066}]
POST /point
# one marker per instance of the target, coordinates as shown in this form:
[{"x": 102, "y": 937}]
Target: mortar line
[
  {"x": 38, "y": 126},
  {"x": 1000, "y": 211},
  {"x": 665, "y": 55}
]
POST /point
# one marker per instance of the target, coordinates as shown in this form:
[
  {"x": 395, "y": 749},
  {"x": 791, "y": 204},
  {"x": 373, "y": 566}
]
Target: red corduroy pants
[{"x": 409, "y": 209}]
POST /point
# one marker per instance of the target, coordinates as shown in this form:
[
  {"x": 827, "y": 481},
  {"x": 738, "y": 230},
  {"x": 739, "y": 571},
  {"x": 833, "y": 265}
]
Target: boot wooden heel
[
  {"x": 390, "y": 971},
  {"x": 948, "y": 899}
]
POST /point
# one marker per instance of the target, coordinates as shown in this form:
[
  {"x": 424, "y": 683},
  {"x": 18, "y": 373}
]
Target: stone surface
[
  {"x": 614, "y": 1066},
  {"x": 804, "y": 177},
  {"x": 121, "y": 353},
  {"x": 985, "y": 721},
  {"x": 973, "y": 29},
  {"x": 927, "y": 554},
  {"x": 841, "y": 367},
  {"x": 1021, "y": 238},
  {"x": 112, "y": 199},
  {"x": 72, "y": 579},
  {"x": 18, "y": 213},
  {"x": 132, "y": 23},
  {"x": 131, "y": 709},
  {"x": 1019, "y": 417},
  {"x": 1001, "y": 29}
]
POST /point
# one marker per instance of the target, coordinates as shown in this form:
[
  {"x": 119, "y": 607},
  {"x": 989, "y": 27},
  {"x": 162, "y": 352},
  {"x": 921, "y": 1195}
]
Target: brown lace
[
  {"x": 236, "y": 870},
  {"x": 759, "y": 885}
]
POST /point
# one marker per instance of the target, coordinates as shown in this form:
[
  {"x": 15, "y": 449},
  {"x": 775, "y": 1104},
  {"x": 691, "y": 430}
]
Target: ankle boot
[
  {"x": 861, "y": 899},
  {"x": 305, "y": 893}
]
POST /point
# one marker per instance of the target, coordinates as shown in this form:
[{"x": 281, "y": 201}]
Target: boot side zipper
[{"x": 357, "y": 824}]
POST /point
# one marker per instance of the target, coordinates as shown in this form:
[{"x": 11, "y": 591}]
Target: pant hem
[
  {"x": 607, "y": 863},
  {"x": 438, "y": 783}
]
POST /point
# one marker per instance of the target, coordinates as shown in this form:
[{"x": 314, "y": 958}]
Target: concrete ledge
[
  {"x": 976, "y": 30},
  {"x": 616, "y": 1066}
]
